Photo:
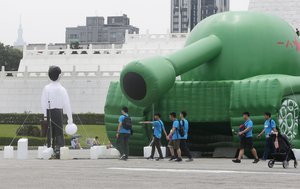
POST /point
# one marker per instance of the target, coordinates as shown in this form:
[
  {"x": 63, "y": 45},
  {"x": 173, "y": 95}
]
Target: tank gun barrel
[{"x": 143, "y": 82}]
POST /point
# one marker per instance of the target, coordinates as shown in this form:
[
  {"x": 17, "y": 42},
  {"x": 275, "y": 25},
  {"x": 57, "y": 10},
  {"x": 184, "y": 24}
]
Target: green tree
[{"x": 10, "y": 57}]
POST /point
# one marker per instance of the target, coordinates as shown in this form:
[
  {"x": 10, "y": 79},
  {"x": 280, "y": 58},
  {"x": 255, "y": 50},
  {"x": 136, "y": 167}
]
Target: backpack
[
  {"x": 127, "y": 123},
  {"x": 181, "y": 129}
]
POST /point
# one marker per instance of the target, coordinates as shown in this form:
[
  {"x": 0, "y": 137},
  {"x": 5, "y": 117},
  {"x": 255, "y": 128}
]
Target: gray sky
[{"x": 44, "y": 21}]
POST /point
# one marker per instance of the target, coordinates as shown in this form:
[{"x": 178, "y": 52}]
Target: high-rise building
[
  {"x": 287, "y": 9},
  {"x": 186, "y": 14},
  {"x": 180, "y": 16},
  {"x": 96, "y": 31}
]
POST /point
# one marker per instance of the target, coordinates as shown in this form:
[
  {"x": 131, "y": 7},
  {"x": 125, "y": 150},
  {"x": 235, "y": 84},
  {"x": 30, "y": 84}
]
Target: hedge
[
  {"x": 32, "y": 141},
  {"x": 35, "y": 119}
]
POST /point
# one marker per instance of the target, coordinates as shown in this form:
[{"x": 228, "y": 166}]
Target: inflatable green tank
[{"x": 231, "y": 63}]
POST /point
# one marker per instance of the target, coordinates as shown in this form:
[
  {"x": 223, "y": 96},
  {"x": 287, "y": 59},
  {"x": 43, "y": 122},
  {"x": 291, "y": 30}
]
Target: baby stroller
[{"x": 283, "y": 151}]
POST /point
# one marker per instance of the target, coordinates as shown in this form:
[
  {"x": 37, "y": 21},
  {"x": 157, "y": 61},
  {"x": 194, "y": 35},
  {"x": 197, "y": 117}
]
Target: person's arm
[
  {"x": 261, "y": 133},
  {"x": 245, "y": 131},
  {"x": 172, "y": 131},
  {"x": 67, "y": 106},
  {"x": 165, "y": 132},
  {"x": 119, "y": 126},
  {"x": 146, "y": 122}
]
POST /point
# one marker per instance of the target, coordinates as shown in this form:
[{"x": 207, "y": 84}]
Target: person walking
[
  {"x": 269, "y": 126},
  {"x": 246, "y": 140},
  {"x": 158, "y": 128},
  {"x": 123, "y": 134},
  {"x": 174, "y": 142},
  {"x": 183, "y": 140}
]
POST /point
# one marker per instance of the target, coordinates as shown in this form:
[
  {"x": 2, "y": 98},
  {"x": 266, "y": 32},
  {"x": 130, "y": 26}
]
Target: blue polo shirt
[
  {"x": 158, "y": 128},
  {"x": 122, "y": 130},
  {"x": 176, "y": 126},
  {"x": 249, "y": 124},
  {"x": 269, "y": 126},
  {"x": 186, "y": 128}
]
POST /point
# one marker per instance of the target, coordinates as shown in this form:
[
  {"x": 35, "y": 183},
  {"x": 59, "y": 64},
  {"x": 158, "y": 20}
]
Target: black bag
[
  {"x": 181, "y": 128},
  {"x": 127, "y": 123}
]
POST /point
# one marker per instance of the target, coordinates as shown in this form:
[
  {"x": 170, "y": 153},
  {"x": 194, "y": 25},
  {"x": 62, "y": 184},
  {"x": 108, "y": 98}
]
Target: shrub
[
  {"x": 35, "y": 119},
  {"x": 32, "y": 141},
  {"x": 28, "y": 130}
]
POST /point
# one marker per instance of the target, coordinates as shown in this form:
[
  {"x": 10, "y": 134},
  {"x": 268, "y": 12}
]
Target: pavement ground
[{"x": 140, "y": 173}]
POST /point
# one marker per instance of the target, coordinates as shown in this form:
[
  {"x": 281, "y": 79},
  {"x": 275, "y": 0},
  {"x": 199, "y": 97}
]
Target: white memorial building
[{"x": 87, "y": 72}]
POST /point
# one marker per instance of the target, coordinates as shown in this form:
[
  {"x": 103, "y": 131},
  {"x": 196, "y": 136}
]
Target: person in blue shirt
[
  {"x": 123, "y": 135},
  {"x": 269, "y": 126},
  {"x": 174, "y": 142},
  {"x": 246, "y": 139},
  {"x": 183, "y": 140},
  {"x": 158, "y": 128}
]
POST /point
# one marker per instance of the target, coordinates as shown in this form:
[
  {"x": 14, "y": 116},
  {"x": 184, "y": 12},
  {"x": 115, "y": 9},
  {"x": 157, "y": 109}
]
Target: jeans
[
  {"x": 269, "y": 148},
  {"x": 156, "y": 143},
  {"x": 184, "y": 147},
  {"x": 122, "y": 144}
]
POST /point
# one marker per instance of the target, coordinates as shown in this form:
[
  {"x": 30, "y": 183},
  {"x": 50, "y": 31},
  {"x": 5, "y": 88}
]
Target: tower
[
  {"x": 287, "y": 9},
  {"x": 20, "y": 41}
]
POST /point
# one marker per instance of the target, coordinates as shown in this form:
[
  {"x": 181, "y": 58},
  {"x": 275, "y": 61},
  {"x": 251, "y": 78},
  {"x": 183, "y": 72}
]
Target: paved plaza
[{"x": 140, "y": 173}]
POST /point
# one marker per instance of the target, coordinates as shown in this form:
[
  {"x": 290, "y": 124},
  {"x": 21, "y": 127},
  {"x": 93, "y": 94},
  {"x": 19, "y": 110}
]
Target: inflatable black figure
[{"x": 55, "y": 101}]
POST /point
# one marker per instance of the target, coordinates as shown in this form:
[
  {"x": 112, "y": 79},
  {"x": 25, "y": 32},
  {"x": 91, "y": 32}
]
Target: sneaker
[
  {"x": 123, "y": 157},
  {"x": 172, "y": 158},
  {"x": 157, "y": 159},
  {"x": 236, "y": 161},
  {"x": 178, "y": 160},
  {"x": 150, "y": 158},
  {"x": 189, "y": 160},
  {"x": 255, "y": 161}
]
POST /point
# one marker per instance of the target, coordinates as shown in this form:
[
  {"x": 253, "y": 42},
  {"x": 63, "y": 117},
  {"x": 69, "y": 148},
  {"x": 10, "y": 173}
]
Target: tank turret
[{"x": 226, "y": 46}]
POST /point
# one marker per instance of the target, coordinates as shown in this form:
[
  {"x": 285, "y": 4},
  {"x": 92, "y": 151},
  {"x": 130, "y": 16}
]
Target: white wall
[
  {"x": 87, "y": 76},
  {"x": 87, "y": 93}
]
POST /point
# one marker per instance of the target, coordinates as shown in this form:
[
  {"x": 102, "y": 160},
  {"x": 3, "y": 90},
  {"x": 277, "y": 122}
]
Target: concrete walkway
[{"x": 140, "y": 173}]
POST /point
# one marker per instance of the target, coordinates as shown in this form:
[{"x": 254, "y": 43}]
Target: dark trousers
[
  {"x": 122, "y": 144},
  {"x": 269, "y": 148},
  {"x": 156, "y": 144},
  {"x": 184, "y": 147},
  {"x": 55, "y": 132}
]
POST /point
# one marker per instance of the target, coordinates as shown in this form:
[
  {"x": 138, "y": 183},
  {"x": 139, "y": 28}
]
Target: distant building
[
  {"x": 20, "y": 41},
  {"x": 96, "y": 31},
  {"x": 287, "y": 9},
  {"x": 186, "y": 14}
]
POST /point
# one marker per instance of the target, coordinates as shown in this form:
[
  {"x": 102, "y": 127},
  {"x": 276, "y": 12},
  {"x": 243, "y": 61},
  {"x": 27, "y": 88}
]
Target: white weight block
[
  {"x": 22, "y": 148},
  {"x": 297, "y": 153},
  {"x": 97, "y": 151},
  {"x": 112, "y": 152},
  {"x": 8, "y": 152},
  {"x": 40, "y": 151},
  {"x": 64, "y": 153},
  {"x": 47, "y": 153},
  {"x": 147, "y": 151}
]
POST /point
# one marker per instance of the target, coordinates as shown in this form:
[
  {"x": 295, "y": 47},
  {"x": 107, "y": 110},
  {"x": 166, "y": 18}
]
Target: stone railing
[
  {"x": 112, "y": 49},
  {"x": 72, "y": 74},
  {"x": 94, "y": 52}
]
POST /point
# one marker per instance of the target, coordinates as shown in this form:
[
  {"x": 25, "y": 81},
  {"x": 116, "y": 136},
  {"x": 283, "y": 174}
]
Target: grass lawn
[{"x": 86, "y": 131}]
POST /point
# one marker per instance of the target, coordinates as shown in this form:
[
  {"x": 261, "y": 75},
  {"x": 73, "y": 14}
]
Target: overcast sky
[{"x": 44, "y": 21}]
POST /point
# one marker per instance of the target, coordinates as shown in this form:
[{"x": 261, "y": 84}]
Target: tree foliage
[{"x": 10, "y": 57}]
